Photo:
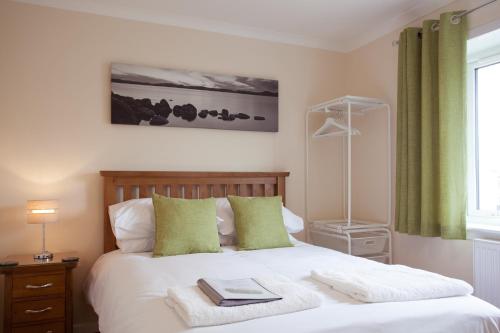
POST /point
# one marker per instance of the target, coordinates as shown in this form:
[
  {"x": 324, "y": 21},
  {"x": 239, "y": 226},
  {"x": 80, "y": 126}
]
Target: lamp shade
[{"x": 42, "y": 211}]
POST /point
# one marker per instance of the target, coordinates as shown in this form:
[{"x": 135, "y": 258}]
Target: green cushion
[
  {"x": 259, "y": 222},
  {"x": 184, "y": 226}
]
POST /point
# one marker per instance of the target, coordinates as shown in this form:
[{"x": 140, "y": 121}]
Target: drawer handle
[
  {"x": 47, "y": 285},
  {"x": 38, "y": 311},
  {"x": 50, "y": 331},
  {"x": 369, "y": 242}
]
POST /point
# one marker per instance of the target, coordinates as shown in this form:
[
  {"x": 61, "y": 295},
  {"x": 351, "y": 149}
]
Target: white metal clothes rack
[{"x": 338, "y": 123}]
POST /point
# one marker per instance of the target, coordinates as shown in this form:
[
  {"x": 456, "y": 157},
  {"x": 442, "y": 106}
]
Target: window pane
[{"x": 488, "y": 138}]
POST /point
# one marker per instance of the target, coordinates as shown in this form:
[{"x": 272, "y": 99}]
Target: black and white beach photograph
[{"x": 150, "y": 96}]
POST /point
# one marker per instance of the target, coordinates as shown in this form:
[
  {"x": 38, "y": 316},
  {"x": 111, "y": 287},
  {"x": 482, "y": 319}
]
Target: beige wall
[
  {"x": 55, "y": 129},
  {"x": 373, "y": 72}
]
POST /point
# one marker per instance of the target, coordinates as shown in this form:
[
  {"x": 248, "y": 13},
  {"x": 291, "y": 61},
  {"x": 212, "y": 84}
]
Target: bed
[{"x": 128, "y": 291}]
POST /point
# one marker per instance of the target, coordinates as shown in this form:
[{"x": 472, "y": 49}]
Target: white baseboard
[{"x": 90, "y": 327}]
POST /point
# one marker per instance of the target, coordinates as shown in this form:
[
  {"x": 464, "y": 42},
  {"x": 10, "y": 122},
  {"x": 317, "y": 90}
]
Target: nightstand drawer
[
  {"x": 28, "y": 311},
  {"x": 57, "y": 327},
  {"x": 38, "y": 295},
  {"x": 26, "y": 285}
]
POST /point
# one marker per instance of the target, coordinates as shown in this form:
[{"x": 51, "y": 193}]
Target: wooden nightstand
[{"x": 38, "y": 295}]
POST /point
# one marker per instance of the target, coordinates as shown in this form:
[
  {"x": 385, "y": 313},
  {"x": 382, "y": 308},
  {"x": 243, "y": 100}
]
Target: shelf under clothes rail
[{"x": 371, "y": 243}]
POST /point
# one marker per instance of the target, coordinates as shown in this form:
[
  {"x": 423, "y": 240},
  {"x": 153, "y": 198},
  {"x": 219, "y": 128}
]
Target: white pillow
[
  {"x": 227, "y": 240},
  {"x": 136, "y": 245},
  {"x": 293, "y": 223},
  {"x": 224, "y": 211},
  {"x": 133, "y": 224},
  {"x": 133, "y": 219}
]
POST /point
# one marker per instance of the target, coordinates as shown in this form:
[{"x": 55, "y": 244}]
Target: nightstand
[{"x": 38, "y": 295}]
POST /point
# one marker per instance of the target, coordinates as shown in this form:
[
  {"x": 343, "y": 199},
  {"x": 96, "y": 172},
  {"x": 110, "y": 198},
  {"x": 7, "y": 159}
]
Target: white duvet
[{"x": 128, "y": 293}]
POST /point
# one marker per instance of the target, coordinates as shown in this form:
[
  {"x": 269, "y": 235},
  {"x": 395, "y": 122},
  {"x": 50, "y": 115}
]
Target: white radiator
[{"x": 487, "y": 270}]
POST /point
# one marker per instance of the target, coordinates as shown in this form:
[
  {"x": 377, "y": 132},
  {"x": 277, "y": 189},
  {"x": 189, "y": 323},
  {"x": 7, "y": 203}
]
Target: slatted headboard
[{"x": 125, "y": 185}]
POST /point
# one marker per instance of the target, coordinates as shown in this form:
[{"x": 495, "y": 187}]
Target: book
[{"x": 236, "y": 292}]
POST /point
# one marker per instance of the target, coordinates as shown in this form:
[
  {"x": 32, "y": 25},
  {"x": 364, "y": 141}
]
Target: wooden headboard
[{"x": 125, "y": 185}]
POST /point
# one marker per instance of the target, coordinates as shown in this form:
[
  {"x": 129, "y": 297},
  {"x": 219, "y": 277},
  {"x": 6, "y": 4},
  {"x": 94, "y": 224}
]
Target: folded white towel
[
  {"x": 391, "y": 283},
  {"x": 196, "y": 309}
]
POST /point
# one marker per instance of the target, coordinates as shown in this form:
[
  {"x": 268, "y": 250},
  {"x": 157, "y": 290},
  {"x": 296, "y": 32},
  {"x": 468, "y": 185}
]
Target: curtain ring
[
  {"x": 435, "y": 26},
  {"x": 455, "y": 19}
]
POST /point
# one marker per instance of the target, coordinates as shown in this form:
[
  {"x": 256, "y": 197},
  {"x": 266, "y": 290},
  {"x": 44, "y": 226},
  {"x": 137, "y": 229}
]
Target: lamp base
[{"x": 45, "y": 255}]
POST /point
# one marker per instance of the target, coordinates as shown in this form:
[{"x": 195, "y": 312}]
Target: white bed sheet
[{"x": 127, "y": 291}]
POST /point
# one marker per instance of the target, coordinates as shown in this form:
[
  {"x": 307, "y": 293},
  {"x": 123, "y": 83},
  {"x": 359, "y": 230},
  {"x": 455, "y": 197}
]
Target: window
[
  {"x": 484, "y": 138},
  {"x": 487, "y": 137}
]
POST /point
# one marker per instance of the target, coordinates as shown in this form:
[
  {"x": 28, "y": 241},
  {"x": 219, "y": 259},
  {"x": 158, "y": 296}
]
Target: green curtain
[{"x": 431, "y": 193}]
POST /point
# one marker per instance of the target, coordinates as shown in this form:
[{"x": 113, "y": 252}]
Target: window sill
[{"x": 483, "y": 231}]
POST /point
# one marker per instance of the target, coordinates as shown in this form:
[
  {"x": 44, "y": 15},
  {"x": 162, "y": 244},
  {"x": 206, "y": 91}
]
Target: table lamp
[{"x": 42, "y": 212}]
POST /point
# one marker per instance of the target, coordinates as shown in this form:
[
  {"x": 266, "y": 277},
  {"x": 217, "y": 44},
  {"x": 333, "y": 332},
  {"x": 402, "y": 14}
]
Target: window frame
[{"x": 474, "y": 215}]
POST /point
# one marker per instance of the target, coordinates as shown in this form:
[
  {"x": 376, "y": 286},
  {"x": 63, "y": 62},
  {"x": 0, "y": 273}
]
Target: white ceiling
[{"x": 338, "y": 25}]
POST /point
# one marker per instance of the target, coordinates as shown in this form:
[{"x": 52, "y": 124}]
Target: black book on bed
[{"x": 236, "y": 292}]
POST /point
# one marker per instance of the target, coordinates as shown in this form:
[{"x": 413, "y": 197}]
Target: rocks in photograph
[
  {"x": 122, "y": 113},
  {"x": 144, "y": 113},
  {"x": 128, "y": 110},
  {"x": 129, "y": 100},
  {"x": 224, "y": 115},
  {"x": 162, "y": 109},
  {"x": 146, "y": 102},
  {"x": 242, "y": 116},
  {"x": 177, "y": 110},
  {"x": 203, "y": 114},
  {"x": 158, "y": 121},
  {"x": 189, "y": 112}
]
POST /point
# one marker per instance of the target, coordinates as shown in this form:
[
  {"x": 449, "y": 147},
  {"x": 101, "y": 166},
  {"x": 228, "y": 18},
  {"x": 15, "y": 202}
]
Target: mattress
[{"x": 128, "y": 292}]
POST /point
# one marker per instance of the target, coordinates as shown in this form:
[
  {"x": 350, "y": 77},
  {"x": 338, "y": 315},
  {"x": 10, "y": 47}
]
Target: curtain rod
[{"x": 455, "y": 19}]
